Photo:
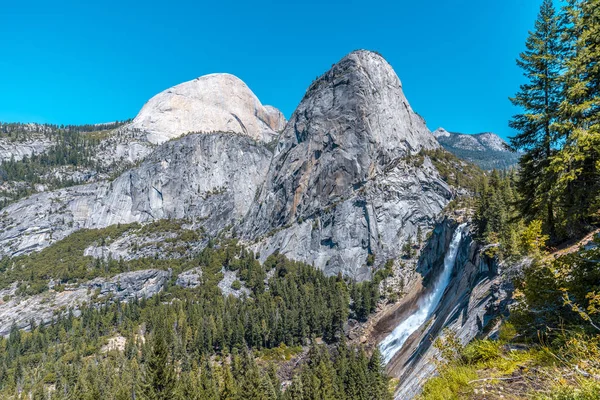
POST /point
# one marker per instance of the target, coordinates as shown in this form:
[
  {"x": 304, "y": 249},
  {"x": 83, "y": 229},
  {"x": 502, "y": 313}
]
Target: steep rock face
[
  {"x": 19, "y": 150},
  {"x": 473, "y": 297},
  {"x": 210, "y": 178},
  {"x": 338, "y": 189},
  {"x": 211, "y": 103}
]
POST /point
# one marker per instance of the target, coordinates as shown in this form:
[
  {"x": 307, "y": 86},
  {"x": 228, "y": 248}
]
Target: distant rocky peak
[
  {"x": 487, "y": 149},
  {"x": 440, "y": 132},
  {"x": 492, "y": 141},
  {"x": 210, "y": 103}
]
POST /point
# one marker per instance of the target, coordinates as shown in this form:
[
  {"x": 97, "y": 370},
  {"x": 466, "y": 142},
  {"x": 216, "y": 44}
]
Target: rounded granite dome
[{"x": 210, "y": 103}]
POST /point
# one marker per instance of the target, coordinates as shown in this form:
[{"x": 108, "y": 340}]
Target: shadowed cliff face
[{"x": 470, "y": 301}]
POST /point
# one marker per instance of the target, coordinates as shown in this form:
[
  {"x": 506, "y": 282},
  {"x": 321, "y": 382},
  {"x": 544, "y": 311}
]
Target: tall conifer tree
[
  {"x": 578, "y": 163},
  {"x": 159, "y": 382},
  {"x": 542, "y": 63}
]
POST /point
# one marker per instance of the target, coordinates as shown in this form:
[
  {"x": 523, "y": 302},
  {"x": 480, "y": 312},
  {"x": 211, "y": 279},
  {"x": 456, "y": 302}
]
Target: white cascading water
[{"x": 426, "y": 305}]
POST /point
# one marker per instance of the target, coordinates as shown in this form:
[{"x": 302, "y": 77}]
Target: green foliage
[
  {"x": 560, "y": 368},
  {"x": 496, "y": 220},
  {"x": 451, "y": 384},
  {"x": 533, "y": 241},
  {"x": 559, "y": 177},
  {"x": 542, "y": 62},
  {"x": 576, "y": 165},
  {"x": 481, "y": 350},
  {"x": 454, "y": 171},
  {"x": 159, "y": 374},
  {"x": 370, "y": 259},
  {"x": 65, "y": 262},
  {"x": 560, "y": 293},
  {"x": 177, "y": 344},
  {"x": 506, "y": 332},
  {"x": 408, "y": 250},
  {"x": 348, "y": 375}
]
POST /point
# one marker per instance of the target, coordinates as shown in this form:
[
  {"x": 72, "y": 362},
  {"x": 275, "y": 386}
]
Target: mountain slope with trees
[{"x": 548, "y": 345}]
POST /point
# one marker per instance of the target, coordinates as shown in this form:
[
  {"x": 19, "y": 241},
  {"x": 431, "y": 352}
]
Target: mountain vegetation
[
  {"x": 71, "y": 146},
  {"x": 284, "y": 330},
  {"x": 542, "y": 221},
  {"x": 189, "y": 343}
]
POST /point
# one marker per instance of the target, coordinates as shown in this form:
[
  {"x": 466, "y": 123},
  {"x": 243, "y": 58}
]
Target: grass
[
  {"x": 451, "y": 384},
  {"x": 568, "y": 369}
]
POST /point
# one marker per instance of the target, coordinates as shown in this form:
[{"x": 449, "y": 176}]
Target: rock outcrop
[
  {"x": 42, "y": 308},
  {"x": 189, "y": 278},
  {"x": 473, "y": 297},
  {"x": 207, "y": 178},
  {"x": 341, "y": 185},
  {"x": 211, "y": 103},
  {"x": 18, "y": 141},
  {"x": 16, "y": 151}
]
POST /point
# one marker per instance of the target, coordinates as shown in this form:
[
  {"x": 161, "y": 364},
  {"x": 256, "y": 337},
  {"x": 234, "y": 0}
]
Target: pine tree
[
  {"x": 228, "y": 390},
  {"x": 325, "y": 373},
  {"x": 159, "y": 379},
  {"x": 251, "y": 379},
  {"x": 378, "y": 380},
  {"x": 542, "y": 63},
  {"x": 296, "y": 390},
  {"x": 267, "y": 390},
  {"x": 578, "y": 163},
  {"x": 272, "y": 373}
]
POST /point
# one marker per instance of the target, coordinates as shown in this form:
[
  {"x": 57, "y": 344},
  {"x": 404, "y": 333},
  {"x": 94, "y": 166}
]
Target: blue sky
[{"x": 78, "y": 62}]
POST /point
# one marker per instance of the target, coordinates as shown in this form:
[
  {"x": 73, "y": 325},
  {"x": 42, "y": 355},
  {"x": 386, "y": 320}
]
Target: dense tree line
[
  {"x": 559, "y": 127},
  {"x": 18, "y": 130},
  {"x": 186, "y": 343},
  {"x": 71, "y": 148},
  {"x": 558, "y": 184},
  {"x": 496, "y": 219}
]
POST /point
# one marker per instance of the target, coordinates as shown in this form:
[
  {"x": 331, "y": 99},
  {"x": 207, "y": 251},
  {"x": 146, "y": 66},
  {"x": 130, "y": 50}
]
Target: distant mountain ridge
[{"x": 487, "y": 150}]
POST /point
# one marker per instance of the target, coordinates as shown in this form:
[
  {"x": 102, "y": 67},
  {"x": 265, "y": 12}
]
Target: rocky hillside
[
  {"x": 487, "y": 150},
  {"x": 341, "y": 190},
  {"x": 341, "y": 187},
  {"x": 354, "y": 184}
]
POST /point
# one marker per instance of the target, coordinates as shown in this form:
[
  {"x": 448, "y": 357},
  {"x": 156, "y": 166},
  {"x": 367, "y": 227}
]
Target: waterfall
[{"x": 426, "y": 304}]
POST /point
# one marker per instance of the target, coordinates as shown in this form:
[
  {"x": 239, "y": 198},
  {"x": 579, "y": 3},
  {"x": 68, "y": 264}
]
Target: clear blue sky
[{"x": 98, "y": 61}]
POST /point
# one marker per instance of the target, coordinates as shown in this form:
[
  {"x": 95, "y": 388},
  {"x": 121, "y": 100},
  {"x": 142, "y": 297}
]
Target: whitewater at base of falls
[{"x": 426, "y": 304}]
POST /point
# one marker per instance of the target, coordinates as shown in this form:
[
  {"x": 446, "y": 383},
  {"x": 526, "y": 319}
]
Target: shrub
[
  {"x": 507, "y": 332},
  {"x": 370, "y": 259},
  {"x": 481, "y": 350}
]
